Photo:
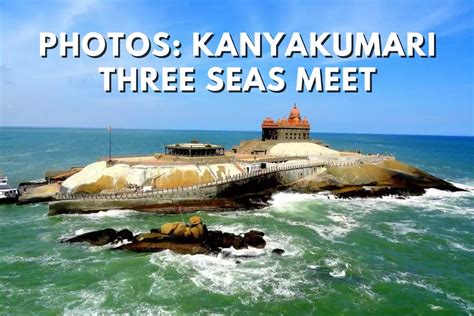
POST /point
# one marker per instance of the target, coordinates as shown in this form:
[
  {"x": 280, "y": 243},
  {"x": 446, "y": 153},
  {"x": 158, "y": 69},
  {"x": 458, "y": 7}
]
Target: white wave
[
  {"x": 405, "y": 227},
  {"x": 236, "y": 253},
  {"x": 285, "y": 199},
  {"x": 332, "y": 262},
  {"x": 233, "y": 228},
  {"x": 258, "y": 275},
  {"x": 339, "y": 218},
  {"x": 336, "y": 267},
  {"x": 112, "y": 213},
  {"x": 239, "y": 214},
  {"x": 325, "y": 231},
  {"x": 435, "y": 307},
  {"x": 459, "y": 246},
  {"x": 367, "y": 290},
  {"x": 438, "y": 201},
  {"x": 464, "y": 186},
  {"x": 382, "y": 236},
  {"x": 81, "y": 231},
  {"x": 338, "y": 274}
]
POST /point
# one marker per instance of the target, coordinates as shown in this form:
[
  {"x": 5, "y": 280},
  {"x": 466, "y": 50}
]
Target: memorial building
[{"x": 293, "y": 128}]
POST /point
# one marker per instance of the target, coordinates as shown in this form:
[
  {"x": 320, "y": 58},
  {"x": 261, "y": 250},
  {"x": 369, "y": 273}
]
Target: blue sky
[{"x": 411, "y": 96}]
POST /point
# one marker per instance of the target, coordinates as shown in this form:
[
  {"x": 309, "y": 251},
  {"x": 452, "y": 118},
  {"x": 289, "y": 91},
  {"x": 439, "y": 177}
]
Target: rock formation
[
  {"x": 193, "y": 238},
  {"x": 99, "y": 177},
  {"x": 102, "y": 237},
  {"x": 386, "y": 177}
]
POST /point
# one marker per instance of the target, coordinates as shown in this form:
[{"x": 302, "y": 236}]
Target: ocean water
[{"x": 360, "y": 256}]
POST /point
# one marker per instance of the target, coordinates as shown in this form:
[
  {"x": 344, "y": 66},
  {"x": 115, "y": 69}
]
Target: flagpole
[{"x": 110, "y": 143}]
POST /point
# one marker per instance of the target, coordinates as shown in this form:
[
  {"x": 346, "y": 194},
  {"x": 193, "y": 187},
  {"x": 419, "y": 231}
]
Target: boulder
[
  {"x": 197, "y": 231},
  {"x": 214, "y": 239},
  {"x": 254, "y": 239},
  {"x": 238, "y": 242},
  {"x": 227, "y": 240},
  {"x": 179, "y": 231},
  {"x": 125, "y": 234},
  {"x": 168, "y": 228},
  {"x": 97, "y": 238},
  {"x": 195, "y": 220},
  {"x": 278, "y": 251}
]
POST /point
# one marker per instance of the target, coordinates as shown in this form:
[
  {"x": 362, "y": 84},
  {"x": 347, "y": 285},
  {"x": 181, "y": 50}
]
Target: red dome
[
  {"x": 294, "y": 120},
  {"x": 294, "y": 113}
]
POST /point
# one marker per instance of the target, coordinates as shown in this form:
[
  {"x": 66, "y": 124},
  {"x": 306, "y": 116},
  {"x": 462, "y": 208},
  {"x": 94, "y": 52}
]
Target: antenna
[{"x": 179, "y": 210}]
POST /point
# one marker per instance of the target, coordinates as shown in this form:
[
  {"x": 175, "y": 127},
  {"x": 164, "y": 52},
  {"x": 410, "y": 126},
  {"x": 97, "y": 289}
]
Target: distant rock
[
  {"x": 386, "y": 177},
  {"x": 278, "y": 251}
]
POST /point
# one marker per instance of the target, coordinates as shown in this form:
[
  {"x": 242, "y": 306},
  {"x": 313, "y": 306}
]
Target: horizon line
[{"x": 223, "y": 130}]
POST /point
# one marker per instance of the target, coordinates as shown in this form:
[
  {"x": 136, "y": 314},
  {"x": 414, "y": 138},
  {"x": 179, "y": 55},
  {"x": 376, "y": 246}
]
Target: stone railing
[{"x": 163, "y": 193}]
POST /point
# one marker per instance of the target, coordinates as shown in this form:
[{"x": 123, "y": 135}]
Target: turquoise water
[{"x": 410, "y": 256}]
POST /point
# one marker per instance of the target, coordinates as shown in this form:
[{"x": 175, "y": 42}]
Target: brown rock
[
  {"x": 254, "y": 239},
  {"x": 180, "y": 230},
  {"x": 168, "y": 228},
  {"x": 238, "y": 242},
  {"x": 386, "y": 177},
  {"x": 195, "y": 220},
  {"x": 197, "y": 231},
  {"x": 178, "y": 247},
  {"x": 227, "y": 240}
]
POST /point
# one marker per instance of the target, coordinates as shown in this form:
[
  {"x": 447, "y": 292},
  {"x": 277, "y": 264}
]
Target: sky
[{"x": 429, "y": 96}]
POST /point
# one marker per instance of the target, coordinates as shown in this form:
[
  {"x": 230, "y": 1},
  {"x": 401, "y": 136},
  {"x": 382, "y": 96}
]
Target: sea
[{"x": 383, "y": 256}]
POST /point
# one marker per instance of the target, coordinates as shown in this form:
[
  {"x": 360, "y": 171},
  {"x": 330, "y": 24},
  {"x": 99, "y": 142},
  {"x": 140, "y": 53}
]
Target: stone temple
[{"x": 293, "y": 128}]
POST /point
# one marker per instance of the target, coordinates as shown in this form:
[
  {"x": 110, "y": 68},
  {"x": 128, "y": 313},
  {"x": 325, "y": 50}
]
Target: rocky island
[
  {"x": 192, "y": 238},
  {"x": 200, "y": 176}
]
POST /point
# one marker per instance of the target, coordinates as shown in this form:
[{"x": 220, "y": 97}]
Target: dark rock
[
  {"x": 125, "y": 234},
  {"x": 256, "y": 232},
  {"x": 227, "y": 240},
  {"x": 97, "y": 238},
  {"x": 254, "y": 239},
  {"x": 278, "y": 251},
  {"x": 238, "y": 243},
  {"x": 214, "y": 239}
]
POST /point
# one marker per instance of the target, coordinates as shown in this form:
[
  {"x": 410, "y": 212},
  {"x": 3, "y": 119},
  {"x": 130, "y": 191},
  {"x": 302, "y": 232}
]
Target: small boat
[{"x": 7, "y": 193}]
